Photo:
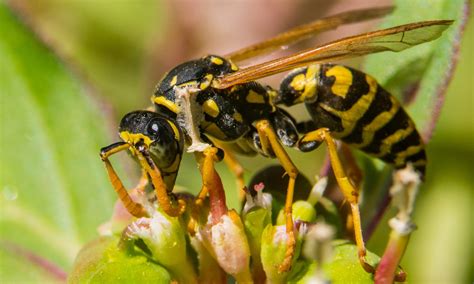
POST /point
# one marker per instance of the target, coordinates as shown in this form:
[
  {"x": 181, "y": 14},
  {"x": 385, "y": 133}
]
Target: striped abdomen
[{"x": 361, "y": 113}]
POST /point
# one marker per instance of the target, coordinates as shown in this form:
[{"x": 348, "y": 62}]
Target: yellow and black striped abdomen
[{"x": 361, "y": 113}]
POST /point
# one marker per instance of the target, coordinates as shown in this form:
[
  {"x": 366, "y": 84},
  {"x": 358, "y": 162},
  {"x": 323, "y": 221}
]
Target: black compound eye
[{"x": 154, "y": 128}]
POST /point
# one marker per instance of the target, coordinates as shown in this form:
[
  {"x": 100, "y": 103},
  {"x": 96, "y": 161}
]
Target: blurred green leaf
[
  {"x": 420, "y": 75},
  {"x": 101, "y": 261},
  {"x": 343, "y": 268},
  {"x": 109, "y": 42},
  {"x": 53, "y": 189}
]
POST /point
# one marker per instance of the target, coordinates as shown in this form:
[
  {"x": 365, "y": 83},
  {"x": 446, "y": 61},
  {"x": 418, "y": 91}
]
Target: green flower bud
[
  {"x": 274, "y": 245},
  {"x": 302, "y": 211},
  {"x": 255, "y": 221},
  {"x": 102, "y": 261},
  {"x": 165, "y": 238}
]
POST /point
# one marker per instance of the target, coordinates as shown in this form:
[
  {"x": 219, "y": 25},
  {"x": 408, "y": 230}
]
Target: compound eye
[{"x": 154, "y": 128}]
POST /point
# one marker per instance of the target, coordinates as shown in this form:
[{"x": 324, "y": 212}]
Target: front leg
[
  {"x": 351, "y": 194},
  {"x": 134, "y": 208},
  {"x": 269, "y": 140}
]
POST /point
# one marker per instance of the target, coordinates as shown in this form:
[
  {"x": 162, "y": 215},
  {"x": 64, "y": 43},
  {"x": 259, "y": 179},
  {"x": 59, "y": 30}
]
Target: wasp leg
[
  {"x": 268, "y": 139},
  {"x": 351, "y": 194},
  {"x": 235, "y": 167},
  {"x": 159, "y": 185},
  {"x": 206, "y": 160},
  {"x": 134, "y": 208},
  {"x": 206, "y": 164}
]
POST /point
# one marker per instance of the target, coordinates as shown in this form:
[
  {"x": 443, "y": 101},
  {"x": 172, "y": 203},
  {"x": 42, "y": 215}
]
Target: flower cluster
[{"x": 210, "y": 243}]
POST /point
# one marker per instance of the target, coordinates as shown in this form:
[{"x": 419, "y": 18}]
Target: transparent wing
[
  {"x": 308, "y": 30},
  {"x": 392, "y": 39}
]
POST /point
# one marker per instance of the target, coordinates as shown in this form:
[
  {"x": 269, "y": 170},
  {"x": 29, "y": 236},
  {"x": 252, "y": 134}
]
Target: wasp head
[{"x": 153, "y": 135}]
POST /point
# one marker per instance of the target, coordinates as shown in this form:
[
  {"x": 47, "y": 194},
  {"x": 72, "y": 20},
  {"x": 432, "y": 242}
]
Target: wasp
[{"x": 220, "y": 108}]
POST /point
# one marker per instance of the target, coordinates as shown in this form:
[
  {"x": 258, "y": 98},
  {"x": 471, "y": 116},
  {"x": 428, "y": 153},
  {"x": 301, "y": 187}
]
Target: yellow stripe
[
  {"x": 133, "y": 138},
  {"x": 160, "y": 100},
  {"x": 254, "y": 97},
  {"x": 310, "y": 87},
  {"x": 350, "y": 117},
  {"x": 237, "y": 116},
  {"x": 401, "y": 156},
  {"x": 207, "y": 82},
  {"x": 174, "y": 166},
  {"x": 174, "y": 80},
  {"x": 215, "y": 131},
  {"x": 210, "y": 107},
  {"x": 343, "y": 80},
  {"x": 378, "y": 122},
  {"x": 217, "y": 60},
  {"x": 175, "y": 130},
  {"x": 399, "y": 135},
  {"x": 298, "y": 82}
]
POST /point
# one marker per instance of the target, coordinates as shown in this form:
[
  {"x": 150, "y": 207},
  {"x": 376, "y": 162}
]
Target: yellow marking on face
[
  {"x": 254, "y": 98},
  {"x": 175, "y": 130},
  {"x": 312, "y": 74},
  {"x": 215, "y": 131},
  {"x": 399, "y": 135},
  {"x": 401, "y": 156},
  {"x": 134, "y": 138},
  {"x": 217, "y": 60},
  {"x": 350, "y": 117},
  {"x": 343, "y": 80},
  {"x": 237, "y": 116},
  {"x": 298, "y": 83},
  {"x": 160, "y": 100},
  {"x": 211, "y": 108},
  {"x": 206, "y": 82},
  {"x": 174, "y": 80},
  {"x": 377, "y": 123}
]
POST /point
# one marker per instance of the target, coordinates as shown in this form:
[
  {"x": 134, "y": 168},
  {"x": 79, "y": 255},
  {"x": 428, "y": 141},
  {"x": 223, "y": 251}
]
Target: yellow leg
[
  {"x": 160, "y": 187},
  {"x": 134, "y": 208},
  {"x": 351, "y": 194},
  {"x": 269, "y": 139},
  {"x": 206, "y": 162},
  {"x": 206, "y": 165}
]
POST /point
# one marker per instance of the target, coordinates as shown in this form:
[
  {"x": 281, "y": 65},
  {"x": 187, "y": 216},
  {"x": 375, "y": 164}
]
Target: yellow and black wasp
[{"x": 211, "y": 100}]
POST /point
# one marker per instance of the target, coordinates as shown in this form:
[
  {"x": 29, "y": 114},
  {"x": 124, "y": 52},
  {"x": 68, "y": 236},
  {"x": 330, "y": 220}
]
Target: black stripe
[
  {"x": 413, "y": 139},
  {"x": 420, "y": 156},
  {"x": 322, "y": 118},
  {"x": 380, "y": 104},
  {"x": 358, "y": 88},
  {"x": 399, "y": 121}
]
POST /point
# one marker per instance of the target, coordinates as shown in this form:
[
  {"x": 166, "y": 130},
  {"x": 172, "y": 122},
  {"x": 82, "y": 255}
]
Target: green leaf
[
  {"x": 420, "y": 75},
  {"x": 102, "y": 261},
  {"x": 343, "y": 268},
  {"x": 53, "y": 187}
]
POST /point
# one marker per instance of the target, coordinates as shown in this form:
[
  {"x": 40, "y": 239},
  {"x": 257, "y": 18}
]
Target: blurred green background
[{"x": 120, "y": 49}]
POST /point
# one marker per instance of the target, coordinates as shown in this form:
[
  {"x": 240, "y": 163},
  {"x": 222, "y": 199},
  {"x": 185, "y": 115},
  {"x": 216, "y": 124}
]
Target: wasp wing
[
  {"x": 392, "y": 39},
  {"x": 305, "y": 31}
]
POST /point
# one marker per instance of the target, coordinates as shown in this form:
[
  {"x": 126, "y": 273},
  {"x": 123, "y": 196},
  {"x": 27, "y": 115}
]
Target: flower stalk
[{"x": 403, "y": 192}]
